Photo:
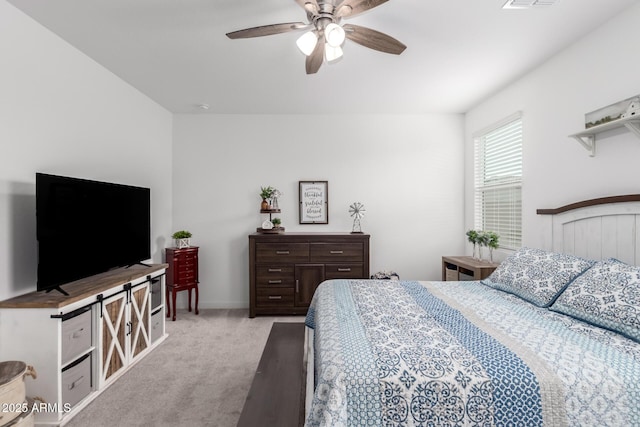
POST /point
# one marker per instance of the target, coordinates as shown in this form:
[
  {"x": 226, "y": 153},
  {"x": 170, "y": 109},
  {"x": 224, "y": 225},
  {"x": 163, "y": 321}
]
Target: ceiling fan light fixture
[
  {"x": 307, "y": 42},
  {"x": 334, "y": 34},
  {"x": 332, "y": 53}
]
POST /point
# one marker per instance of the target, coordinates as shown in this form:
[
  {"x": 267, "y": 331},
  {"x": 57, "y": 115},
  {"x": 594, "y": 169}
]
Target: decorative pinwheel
[{"x": 357, "y": 211}]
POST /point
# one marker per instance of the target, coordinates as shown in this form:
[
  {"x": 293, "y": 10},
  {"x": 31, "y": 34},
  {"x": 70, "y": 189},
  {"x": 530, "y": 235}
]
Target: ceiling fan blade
[
  {"x": 268, "y": 30},
  {"x": 353, "y": 7},
  {"x": 314, "y": 61},
  {"x": 373, "y": 39},
  {"x": 309, "y": 5}
]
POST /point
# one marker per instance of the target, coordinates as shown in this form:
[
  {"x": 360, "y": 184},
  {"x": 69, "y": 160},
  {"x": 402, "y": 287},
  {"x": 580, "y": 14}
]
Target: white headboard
[{"x": 598, "y": 228}]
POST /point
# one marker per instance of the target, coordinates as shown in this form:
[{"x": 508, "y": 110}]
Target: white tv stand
[{"x": 80, "y": 343}]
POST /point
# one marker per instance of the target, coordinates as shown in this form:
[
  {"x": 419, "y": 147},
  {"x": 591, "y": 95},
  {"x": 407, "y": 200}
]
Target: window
[{"x": 498, "y": 181}]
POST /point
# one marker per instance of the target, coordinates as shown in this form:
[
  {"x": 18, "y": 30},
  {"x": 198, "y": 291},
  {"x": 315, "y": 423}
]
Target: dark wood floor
[{"x": 276, "y": 397}]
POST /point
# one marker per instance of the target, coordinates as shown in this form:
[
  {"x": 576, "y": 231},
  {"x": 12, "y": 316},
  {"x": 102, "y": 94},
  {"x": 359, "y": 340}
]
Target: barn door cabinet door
[{"x": 125, "y": 329}]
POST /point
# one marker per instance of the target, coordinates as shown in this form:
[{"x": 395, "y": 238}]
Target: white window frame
[{"x": 498, "y": 180}]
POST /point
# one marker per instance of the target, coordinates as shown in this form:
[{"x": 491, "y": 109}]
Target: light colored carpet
[{"x": 199, "y": 376}]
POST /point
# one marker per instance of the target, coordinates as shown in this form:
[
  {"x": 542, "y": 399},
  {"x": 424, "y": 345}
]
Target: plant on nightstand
[
  {"x": 182, "y": 238},
  {"x": 472, "y": 236},
  {"x": 492, "y": 241}
]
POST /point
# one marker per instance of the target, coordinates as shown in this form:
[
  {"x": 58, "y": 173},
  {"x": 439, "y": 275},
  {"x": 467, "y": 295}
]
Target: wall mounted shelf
[{"x": 587, "y": 138}]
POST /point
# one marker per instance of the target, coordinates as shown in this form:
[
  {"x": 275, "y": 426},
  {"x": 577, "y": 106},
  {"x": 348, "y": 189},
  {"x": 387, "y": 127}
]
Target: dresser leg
[
  {"x": 173, "y": 297},
  {"x": 166, "y": 297},
  {"x": 189, "y": 299},
  {"x": 196, "y": 299}
]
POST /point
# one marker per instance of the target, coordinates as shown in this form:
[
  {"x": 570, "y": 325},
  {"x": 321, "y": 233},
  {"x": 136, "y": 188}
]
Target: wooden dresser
[
  {"x": 182, "y": 275},
  {"x": 285, "y": 269}
]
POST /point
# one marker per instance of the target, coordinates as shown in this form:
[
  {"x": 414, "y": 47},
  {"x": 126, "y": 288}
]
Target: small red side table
[{"x": 182, "y": 275}]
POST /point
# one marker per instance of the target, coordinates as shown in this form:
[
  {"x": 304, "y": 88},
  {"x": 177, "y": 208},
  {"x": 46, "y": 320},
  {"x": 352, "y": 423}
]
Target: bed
[{"x": 551, "y": 338}]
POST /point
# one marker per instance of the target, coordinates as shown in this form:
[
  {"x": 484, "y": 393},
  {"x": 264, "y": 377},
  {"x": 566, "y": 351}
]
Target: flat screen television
[{"x": 86, "y": 227}]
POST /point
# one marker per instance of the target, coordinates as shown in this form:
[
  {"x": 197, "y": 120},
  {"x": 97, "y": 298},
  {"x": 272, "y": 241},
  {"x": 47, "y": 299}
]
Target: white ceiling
[{"x": 458, "y": 51}]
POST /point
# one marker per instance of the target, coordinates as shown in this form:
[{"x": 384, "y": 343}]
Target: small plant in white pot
[{"x": 182, "y": 238}]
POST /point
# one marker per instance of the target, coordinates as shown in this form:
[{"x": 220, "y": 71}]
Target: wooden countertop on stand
[{"x": 82, "y": 288}]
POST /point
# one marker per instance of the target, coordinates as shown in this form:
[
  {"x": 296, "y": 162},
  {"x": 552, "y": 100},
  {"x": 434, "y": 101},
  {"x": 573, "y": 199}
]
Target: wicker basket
[
  {"x": 12, "y": 389},
  {"x": 451, "y": 275}
]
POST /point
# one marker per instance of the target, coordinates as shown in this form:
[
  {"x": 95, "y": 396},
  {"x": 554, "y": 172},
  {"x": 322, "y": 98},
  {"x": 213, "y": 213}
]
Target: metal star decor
[{"x": 357, "y": 211}]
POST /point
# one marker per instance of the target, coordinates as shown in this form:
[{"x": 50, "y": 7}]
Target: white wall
[
  {"x": 62, "y": 113},
  {"x": 406, "y": 170},
  {"x": 599, "y": 70}
]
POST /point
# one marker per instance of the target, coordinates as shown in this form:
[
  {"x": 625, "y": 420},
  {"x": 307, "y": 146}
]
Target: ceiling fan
[{"x": 324, "y": 35}]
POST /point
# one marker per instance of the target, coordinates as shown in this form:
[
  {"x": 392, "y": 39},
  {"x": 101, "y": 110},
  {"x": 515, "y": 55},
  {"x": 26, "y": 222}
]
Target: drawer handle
[
  {"x": 275, "y": 296},
  {"x": 78, "y": 333},
  {"x": 336, "y": 252},
  {"x": 273, "y": 282},
  {"x": 344, "y": 269},
  {"x": 297, "y": 286},
  {"x": 282, "y": 252},
  {"x": 275, "y": 270},
  {"x": 76, "y": 382}
]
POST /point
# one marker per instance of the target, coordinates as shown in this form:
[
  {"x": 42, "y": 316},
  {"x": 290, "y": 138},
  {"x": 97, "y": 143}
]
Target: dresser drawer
[
  {"x": 185, "y": 254},
  {"x": 337, "y": 252},
  {"x": 189, "y": 264},
  {"x": 185, "y": 277},
  {"x": 282, "y": 252},
  {"x": 275, "y": 275},
  {"x": 344, "y": 271},
  {"x": 274, "y": 297}
]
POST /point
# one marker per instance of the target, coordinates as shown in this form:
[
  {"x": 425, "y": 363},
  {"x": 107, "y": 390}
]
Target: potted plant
[
  {"x": 266, "y": 193},
  {"x": 483, "y": 240},
  {"x": 276, "y": 222},
  {"x": 492, "y": 242},
  {"x": 472, "y": 236},
  {"x": 182, "y": 238}
]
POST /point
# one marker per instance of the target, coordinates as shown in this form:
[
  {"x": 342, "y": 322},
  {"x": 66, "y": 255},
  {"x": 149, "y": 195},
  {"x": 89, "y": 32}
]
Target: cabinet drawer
[
  {"x": 274, "y": 275},
  {"x": 156, "y": 325},
  {"x": 282, "y": 252},
  {"x": 274, "y": 297},
  {"x": 344, "y": 271},
  {"x": 76, "y": 381},
  {"x": 340, "y": 252},
  {"x": 76, "y": 334}
]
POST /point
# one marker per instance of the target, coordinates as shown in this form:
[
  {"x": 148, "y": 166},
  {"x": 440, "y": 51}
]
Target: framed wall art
[{"x": 314, "y": 202}]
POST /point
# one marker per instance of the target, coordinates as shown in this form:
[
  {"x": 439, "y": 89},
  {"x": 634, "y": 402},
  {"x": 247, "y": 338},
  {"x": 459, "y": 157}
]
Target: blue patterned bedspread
[{"x": 391, "y": 353}]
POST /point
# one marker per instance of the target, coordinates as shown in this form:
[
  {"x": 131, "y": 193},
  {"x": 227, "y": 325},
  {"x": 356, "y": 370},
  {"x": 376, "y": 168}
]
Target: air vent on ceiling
[{"x": 526, "y": 4}]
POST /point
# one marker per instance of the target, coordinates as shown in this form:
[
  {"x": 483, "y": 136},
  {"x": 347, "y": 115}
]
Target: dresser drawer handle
[
  {"x": 282, "y": 252},
  {"x": 336, "y": 252},
  {"x": 344, "y": 269},
  {"x": 275, "y": 296},
  {"x": 275, "y": 270},
  {"x": 273, "y": 282}
]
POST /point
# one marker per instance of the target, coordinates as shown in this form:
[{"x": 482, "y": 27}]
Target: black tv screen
[{"x": 88, "y": 227}]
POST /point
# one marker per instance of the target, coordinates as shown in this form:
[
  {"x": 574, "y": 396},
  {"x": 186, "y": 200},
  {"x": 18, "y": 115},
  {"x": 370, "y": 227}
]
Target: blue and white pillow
[
  {"x": 606, "y": 295},
  {"x": 536, "y": 275}
]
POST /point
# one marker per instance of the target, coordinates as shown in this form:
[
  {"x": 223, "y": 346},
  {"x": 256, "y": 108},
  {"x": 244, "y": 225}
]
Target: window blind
[{"x": 498, "y": 181}]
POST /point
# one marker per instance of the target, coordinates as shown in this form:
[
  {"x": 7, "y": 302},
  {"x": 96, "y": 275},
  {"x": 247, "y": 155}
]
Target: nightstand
[{"x": 466, "y": 268}]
